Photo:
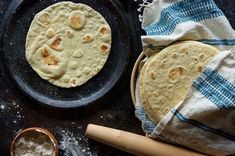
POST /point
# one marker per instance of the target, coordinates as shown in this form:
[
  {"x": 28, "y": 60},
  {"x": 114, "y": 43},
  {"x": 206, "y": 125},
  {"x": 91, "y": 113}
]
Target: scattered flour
[
  {"x": 74, "y": 145},
  {"x": 2, "y": 107}
]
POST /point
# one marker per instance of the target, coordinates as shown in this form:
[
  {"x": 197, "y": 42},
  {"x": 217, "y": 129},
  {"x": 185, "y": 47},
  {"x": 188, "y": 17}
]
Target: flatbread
[
  {"x": 68, "y": 43},
  {"x": 166, "y": 77},
  {"x": 143, "y": 98}
]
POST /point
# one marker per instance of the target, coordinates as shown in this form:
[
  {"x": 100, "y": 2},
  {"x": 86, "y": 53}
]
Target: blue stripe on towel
[
  {"x": 221, "y": 84},
  {"x": 196, "y": 123},
  {"x": 220, "y": 79},
  {"x": 204, "y": 85},
  {"x": 214, "y": 99},
  {"x": 147, "y": 124},
  {"x": 184, "y": 11},
  {"x": 216, "y": 42},
  {"x": 217, "y": 89},
  {"x": 227, "y": 42}
]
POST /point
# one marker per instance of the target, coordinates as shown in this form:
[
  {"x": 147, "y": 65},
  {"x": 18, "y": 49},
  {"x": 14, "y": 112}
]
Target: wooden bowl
[{"x": 134, "y": 75}]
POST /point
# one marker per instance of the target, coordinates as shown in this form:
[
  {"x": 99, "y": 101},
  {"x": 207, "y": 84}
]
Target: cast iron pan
[{"x": 16, "y": 24}]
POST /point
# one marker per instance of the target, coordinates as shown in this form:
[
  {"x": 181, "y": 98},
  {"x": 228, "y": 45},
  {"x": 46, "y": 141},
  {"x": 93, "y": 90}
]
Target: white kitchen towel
[{"x": 205, "y": 120}]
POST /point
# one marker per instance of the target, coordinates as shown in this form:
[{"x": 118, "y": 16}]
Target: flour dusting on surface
[{"x": 73, "y": 145}]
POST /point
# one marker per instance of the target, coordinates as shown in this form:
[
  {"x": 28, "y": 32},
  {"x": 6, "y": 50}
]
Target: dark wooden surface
[{"x": 17, "y": 112}]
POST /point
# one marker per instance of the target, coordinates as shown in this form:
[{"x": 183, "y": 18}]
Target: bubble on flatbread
[
  {"x": 43, "y": 19},
  {"x": 199, "y": 68},
  {"x": 170, "y": 86},
  {"x": 195, "y": 59},
  {"x": 177, "y": 73},
  {"x": 56, "y": 43},
  {"x": 47, "y": 59},
  {"x": 156, "y": 107},
  {"x": 73, "y": 65},
  {"x": 50, "y": 33},
  {"x": 104, "y": 33},
  {"x": 70, "y": 33},
  {"x": 73, "y": 6},
  {"x": 44, "y": 52},
  {"x": 156, "y": 93},
  {"x": 105, "y": 38},
  {"x": 163, "y": 62},
  {"x": 104, "y": 48},
  {"x": 73, "y": 82},
  {"x": 183, "y": 50},
  {"x": 77, "y": 20},
  {"x": 104, "y": 30},
  {"x": 66, "y": 78},
  {"x": 87, "y": 70},
  {"x": 169, "y": 91},
  {"x": 46, "y": 62},
  {"x": 165, "y": 110},
  {"x": 152, "y": 75},
  {"x": 173, "y": 55},
  {"x": 97, "y": 69},
  {"x": 191, "y": 65},
  {"x": 201, "y": 55},
  {"x": 92, "y": 73},
  {"x": 87, "y": 38},
  {"x": 79, "y": 53},
  {"x": 89, "y": 57},
  {"x": 78, "y": 73},
  {"x": 50, "y": 61}
]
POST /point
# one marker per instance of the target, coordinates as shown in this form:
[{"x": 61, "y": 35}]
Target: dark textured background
[{"x": 118, "y": 112}]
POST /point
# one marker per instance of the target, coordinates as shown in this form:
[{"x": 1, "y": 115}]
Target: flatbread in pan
[{"x": 68, "y": 43}]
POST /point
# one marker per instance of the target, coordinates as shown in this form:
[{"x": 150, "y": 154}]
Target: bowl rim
[
  {"x": 37, "y": 129},
  {"x": 134, "y": 74}
]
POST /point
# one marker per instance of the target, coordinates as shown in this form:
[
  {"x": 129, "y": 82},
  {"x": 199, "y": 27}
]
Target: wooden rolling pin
[{"x": 133, "y": 143}]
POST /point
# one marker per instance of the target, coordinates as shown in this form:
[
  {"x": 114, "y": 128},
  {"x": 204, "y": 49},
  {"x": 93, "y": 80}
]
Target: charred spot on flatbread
[
  {"x": 177, "y": 73},
  {"x": 77, "y": 20},
  {"x": 104, "y": 48},
  {"x": 47, "y": 59},
  {"x": 56, "y": 44}
]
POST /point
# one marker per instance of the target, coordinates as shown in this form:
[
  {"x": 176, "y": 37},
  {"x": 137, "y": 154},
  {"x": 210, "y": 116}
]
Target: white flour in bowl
[{"x": 30, "y": 146}]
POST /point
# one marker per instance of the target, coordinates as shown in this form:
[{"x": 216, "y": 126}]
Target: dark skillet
[{"x": 17, "y": 70}]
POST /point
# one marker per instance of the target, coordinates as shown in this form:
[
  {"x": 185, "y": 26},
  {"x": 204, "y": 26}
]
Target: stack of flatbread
[
  {"x": 167, "y": 76},
  {"x": 68, "y": 43}
]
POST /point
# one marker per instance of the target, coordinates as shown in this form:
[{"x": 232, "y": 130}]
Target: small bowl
[{"x": 35, "y": 131}]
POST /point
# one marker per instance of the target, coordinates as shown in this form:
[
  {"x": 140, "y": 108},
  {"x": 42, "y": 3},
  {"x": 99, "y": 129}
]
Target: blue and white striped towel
[{"x": 205, "y": 120}]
